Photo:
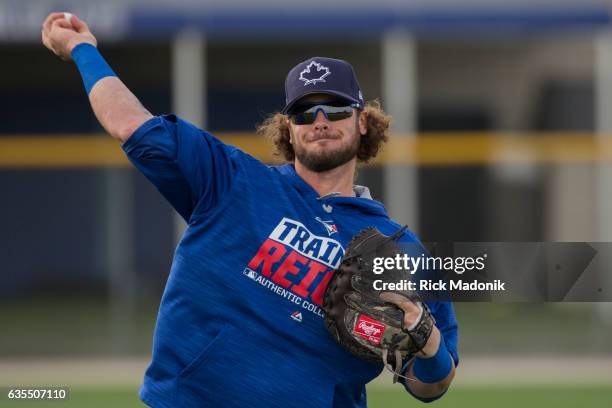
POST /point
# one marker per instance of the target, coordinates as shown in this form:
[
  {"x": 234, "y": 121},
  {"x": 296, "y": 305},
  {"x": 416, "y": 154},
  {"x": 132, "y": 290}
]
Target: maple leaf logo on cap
[{"x": 314, "y": 75}]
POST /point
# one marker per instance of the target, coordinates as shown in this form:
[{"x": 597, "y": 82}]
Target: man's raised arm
[{"x": 116, "y": 107}]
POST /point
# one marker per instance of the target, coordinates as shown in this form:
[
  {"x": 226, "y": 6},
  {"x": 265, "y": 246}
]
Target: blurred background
[{"x": 502, "y": 132}]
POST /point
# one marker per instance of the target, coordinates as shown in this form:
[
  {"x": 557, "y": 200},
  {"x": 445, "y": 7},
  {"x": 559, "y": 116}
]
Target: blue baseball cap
[{"x": 322, "y": 75}]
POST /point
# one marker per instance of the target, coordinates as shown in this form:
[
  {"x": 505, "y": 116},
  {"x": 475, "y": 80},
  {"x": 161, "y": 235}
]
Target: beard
[{"x": 326, "y": 160}]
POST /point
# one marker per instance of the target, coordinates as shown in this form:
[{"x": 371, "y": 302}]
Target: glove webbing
[{"x": 393, "y": 237}]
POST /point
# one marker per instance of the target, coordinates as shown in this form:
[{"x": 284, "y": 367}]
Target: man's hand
[
  {"x": 412, "y": 314},
  {"x": 61, "y": 36},
  {"x": 117, "y": 109}
]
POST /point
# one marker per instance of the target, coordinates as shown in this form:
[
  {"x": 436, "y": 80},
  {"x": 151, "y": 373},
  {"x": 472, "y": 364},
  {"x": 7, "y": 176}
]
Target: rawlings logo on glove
[{"x": 369, "y": 329}]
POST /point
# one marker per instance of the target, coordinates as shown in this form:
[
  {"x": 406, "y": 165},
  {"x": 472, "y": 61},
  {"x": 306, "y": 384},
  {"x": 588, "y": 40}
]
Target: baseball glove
[{"x": 357, "y": 317}]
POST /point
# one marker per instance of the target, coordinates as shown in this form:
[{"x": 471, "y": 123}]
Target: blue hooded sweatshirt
[{"x": 240, "y": 322}]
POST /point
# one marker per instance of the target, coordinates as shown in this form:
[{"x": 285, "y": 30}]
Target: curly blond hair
[{"x": 276, "y": 129}]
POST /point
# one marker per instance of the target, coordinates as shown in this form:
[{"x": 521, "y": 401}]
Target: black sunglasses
[{"x": 306, "y": 115}]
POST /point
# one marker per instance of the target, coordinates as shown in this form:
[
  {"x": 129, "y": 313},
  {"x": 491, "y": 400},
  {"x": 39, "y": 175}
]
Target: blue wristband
[
  {"x": 91, "y": 65},
  {"x": 434, "y": 369}
]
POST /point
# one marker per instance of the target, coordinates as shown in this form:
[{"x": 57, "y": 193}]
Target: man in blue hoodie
[{"x": 240, "y": 322}]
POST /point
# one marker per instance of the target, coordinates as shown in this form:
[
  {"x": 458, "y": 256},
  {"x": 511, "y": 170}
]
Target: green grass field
[
  {"x": 502, "y": 397},
  {"x": 52, "y": 343},
  {"x": 472, "y": 397}
]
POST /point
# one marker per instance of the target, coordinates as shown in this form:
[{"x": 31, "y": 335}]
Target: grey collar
[{"x": 360, "y": 192}]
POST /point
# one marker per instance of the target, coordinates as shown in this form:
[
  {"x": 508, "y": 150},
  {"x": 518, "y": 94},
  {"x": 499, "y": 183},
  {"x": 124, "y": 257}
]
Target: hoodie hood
[{"x": 362, "y": 202}]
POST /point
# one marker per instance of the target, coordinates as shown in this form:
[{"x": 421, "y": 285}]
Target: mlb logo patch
[
  {"x": 368, "y": 328},
  {"x": 249, "y": 273}
]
